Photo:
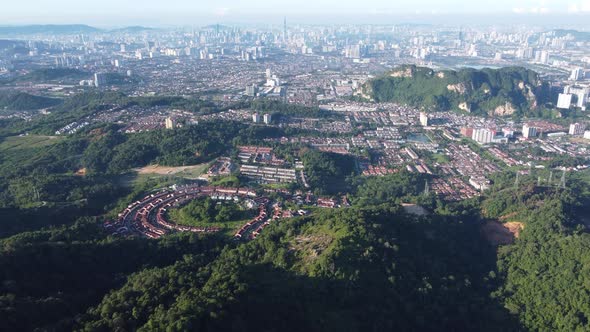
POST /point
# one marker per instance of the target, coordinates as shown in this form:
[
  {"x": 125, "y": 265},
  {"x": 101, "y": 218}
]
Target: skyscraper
[
  {"x": 483, "y": 135},
  {"x": 528, "y": 132},
  {"x": 170, "y": 123},
  {"x": 100, "y": 79},
  {"x": 256, "y": 118},
  {"x": 577, "y": 129},
  {"x": 564, "y": 101},
  {"x": 285, "y": 30},
  {"x": 424, "y": 119},
  {"x": 577, "y": 74},
  {"x": 267, "y": 118}
]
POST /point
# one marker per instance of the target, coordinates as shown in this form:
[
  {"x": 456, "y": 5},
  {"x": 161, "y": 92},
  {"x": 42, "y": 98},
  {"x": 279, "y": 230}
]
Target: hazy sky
[{"x": 159, "y": 12}]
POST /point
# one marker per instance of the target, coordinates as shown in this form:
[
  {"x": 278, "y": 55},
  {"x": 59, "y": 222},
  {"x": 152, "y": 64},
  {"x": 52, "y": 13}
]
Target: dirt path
[{"x": 166, "y": 170}]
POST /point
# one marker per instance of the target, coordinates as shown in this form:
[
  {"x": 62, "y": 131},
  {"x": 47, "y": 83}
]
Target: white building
[
  {"x": 577, "y": 129},
  {"x": 577, "y": 74},
  {"x": 564, "y": 101},
  {"x": 424, "y": 119},
  {"x": 483, "y": 135},
  {"x": 256, "y": 118},
  {"x": 542, "y": 57},
  {"x": 170, "y": 123},
  {"x": 267, "y": 118},
  {"x": 581, "y": 92},
  {"x": 100, "y": 79}
]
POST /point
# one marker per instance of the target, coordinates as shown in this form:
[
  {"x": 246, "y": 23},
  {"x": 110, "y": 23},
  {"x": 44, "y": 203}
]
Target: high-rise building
[
  {"x": 483, "y": 135},
  {"x": 170, "y": 123},
  {"x": 577, "y": 129},
  {"x": 581, "y": 93},
  {"x": 564, "y": 101},
  {"x": 256, "y": 118},
  {"x": 100, "y": 79},
  {"x": 577, "y": 74},
  {"x": 285, "y": 30},
  {"x": 424, "y": 119},
  {"x": 353, "y": 51},
  {"x": 267, "y": 118},
  {"x": 582, "y": 100},
  {"x": 251, "y": 90},
  {"x": 542, "y": 57},
  {"x": 528, "y": 131}
]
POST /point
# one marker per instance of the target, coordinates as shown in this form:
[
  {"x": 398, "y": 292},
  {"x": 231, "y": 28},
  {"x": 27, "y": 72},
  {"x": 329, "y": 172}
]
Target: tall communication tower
[{"x": 285, "y": 29}]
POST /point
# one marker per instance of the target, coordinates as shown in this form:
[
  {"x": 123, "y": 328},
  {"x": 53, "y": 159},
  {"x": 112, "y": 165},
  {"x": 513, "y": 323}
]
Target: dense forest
[
  {"x": 368, "y": 267},
  {"x": 477, "y": 91},
  {"x": 372, "y": 266},
  {"x": 328, "y": 172},
  {"x": 24, "y": 102},
  {"x": 44, "y": 75}
]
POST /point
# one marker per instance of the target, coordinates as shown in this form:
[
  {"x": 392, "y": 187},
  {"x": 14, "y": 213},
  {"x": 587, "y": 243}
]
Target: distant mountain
[
  {"x": 48, "y": 29},
  {"x": 64, "y": 29},
  {"x": 18, "y": 101},
  {"x": 506, "y": 91}
]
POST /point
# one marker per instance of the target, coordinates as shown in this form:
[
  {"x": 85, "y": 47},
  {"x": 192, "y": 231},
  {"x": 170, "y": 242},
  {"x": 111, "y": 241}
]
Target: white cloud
[
  {"x": 531, "y": 10},
  {"x": 221, "y": 11},
  {"x": 579, "y": 7}
]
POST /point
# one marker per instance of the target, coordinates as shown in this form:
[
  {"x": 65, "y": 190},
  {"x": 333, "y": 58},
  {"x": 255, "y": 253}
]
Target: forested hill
[
  {"x": 20, "y": 101},
  {"x": 312, "y": 274},
  {"x": 47, "y": 29},
  {"x": 506, "y": 91}
]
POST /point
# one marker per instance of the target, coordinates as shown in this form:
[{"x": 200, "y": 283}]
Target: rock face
[
  {"x": 531, "y": 98},
  {"x": 459, "y": 88},
  {"x": 507, "y": 109},
  {"x": 402, "y": 73},
  {"x": 465, "y": 107},
  {"x": 365, "y": 92},
  {"x": 505, "y": 92}
]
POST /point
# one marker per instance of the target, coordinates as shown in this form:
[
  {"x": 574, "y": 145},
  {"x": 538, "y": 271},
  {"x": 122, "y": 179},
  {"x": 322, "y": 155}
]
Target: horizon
[
  {"x": 182, "y": 12},
  {"x": 555, "y": 20}
]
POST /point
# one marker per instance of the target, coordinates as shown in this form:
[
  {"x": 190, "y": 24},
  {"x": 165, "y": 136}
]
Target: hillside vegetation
[
  {"x": 506, "y": 91},
  {"x": 24, "y": 102}
]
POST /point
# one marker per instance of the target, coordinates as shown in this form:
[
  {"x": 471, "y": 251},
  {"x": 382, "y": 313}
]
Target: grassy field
[
  {"x": 26, "y": 142},
  {"x": 162, "y": 176},
  {"x": 229, "y": 228}
]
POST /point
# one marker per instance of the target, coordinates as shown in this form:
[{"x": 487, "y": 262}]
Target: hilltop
[
  {"x": 505, "y": 91},
  {"x": 50, "y": 28},
  {"x": 65, "y": 29},
  {"x": 20, "y": 101}
]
